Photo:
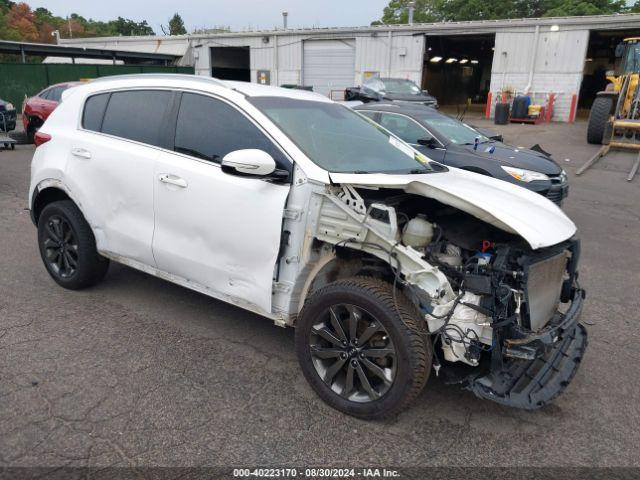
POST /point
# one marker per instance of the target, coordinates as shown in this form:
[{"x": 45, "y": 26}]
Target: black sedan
[
  {"x": 451, "y": 142},
  {"x": 7, "y": 116},
  {"x": 391, "y": 89}
]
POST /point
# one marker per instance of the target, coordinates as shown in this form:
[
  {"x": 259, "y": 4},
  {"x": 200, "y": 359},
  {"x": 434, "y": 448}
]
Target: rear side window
[
  {"x": 209, "y": 129},
  {"x": 45, "y": 94},
  {"x": 55, "y": 94},
  {"x": 137, "y": 115},
  {"x": 93, "y": 113}
]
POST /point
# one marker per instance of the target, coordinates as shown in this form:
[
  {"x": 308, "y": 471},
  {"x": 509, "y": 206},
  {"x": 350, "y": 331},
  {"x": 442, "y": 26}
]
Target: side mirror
[
  {"x": 249, "y": 161},
  {"x": 427, "y": 142}
]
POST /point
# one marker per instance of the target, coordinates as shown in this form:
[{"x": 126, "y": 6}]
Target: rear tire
[
  {"x": 68, "y": 247},
  {"x": 362, "y": 374},
  {"x": 598, "y": 119}
]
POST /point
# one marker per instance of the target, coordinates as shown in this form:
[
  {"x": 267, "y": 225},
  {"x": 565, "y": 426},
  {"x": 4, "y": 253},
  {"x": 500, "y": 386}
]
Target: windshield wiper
[{"x": 420, "y": 170}]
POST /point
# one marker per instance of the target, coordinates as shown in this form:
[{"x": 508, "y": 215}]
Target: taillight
[{"x": 40, "y": 138}]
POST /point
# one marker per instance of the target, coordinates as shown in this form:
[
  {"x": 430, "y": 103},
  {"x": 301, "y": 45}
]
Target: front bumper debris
[{"x": 532, "y": 383}]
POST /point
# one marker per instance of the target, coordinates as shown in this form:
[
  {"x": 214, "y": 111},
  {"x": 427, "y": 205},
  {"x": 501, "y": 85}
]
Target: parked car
[
  {"x": 8, "y": 116},
  {"x": 451, "y": 142},
  {"x": 36, "y": 109},
  {"x": 301, "y": 210},
  {"x": 376, "y": 89}
]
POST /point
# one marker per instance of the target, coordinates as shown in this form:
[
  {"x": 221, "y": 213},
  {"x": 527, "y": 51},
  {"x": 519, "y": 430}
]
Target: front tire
[
  {"x": 361, "y": 351},
  {"x": 68, "y": 247},
  {"x": 598, "y": 119}
]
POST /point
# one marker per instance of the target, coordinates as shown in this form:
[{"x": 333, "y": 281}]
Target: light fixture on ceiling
[
  {"x": 451, "y": 60},
  {"x": 555, "y": 28},
  {"x": 475, "y": 62},
  {"x": 435, "y": 59},
  {"x": 464, "y": 60}
]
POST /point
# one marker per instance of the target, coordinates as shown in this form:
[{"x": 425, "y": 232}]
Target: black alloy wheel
[
  {"x": 61, "y": 247},
  {"x": 353, "y": 353},
  {"x": 68, "y": 246},
  {"x": 363, "y": 347}
]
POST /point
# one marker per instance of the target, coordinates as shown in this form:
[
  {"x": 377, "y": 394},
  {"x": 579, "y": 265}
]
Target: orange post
[
  {"x": 552, "y": 97},
  {"x": 572, "y": 110},
  {"x": 487, "y": 111}
]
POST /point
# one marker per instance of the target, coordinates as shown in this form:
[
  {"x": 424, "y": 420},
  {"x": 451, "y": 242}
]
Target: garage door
[{"x": 329, "y": 65}]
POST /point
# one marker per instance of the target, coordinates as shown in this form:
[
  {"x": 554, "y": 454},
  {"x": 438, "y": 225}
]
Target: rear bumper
[{"x": 532, "y": 383}]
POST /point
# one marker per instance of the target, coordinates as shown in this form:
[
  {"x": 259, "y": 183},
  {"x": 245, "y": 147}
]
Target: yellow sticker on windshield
[
  {"x": 406, "y": 149},
  {"x": 421, "y": 158}
]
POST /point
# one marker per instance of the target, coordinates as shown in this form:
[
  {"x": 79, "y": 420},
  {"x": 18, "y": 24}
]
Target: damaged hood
[{"x": 508, "y": 207}]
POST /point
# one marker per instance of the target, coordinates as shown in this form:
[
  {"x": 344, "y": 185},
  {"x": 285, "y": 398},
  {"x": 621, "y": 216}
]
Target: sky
[{"x": 237, "y": 14}]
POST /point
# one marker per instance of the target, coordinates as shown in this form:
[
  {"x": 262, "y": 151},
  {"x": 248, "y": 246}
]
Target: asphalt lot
[{"x": 140, "y": 372}]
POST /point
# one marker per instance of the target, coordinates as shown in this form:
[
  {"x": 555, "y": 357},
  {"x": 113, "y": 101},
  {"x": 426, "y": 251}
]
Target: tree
[
  {"x": 459, "y": 10},
  {"x": 20, "y": 18},
  {"x": 176, "y": 26},
  {"x": 126, "y": 27}
]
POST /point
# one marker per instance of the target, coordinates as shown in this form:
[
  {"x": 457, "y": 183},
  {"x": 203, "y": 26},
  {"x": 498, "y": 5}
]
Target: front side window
[
  {"x": 338, "y": 139},
  {"x": 137, "y": 115},
  {"x": 405, "y": 128},
  {"x": 208, "y": 128},
  {"x": 455, "y": 131}
]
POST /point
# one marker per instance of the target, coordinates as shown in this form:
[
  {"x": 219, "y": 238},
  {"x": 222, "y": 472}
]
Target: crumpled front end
[{"x": 502, "y": 315}]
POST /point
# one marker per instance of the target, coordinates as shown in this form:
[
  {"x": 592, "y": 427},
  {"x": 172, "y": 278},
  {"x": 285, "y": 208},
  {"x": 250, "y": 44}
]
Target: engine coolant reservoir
[{"x": 418, "y": 232}]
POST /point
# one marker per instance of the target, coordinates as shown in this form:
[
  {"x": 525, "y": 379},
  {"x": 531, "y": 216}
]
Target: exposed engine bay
[{"x": 499, "y": 313}]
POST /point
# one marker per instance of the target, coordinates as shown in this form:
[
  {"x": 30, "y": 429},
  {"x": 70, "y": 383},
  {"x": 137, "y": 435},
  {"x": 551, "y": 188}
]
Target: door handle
[
  {"x": 173, "y": 180},
  {"x": 81, "y": 153}
]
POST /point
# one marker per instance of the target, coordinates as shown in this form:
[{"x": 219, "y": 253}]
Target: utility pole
[{"x": 69, "y": 23}]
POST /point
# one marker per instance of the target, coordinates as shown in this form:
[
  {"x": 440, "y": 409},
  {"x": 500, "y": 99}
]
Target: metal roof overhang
[{"x": 50, "y": 50}]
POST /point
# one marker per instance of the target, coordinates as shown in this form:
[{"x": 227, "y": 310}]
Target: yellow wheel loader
[{"x": 614, "y": 120}]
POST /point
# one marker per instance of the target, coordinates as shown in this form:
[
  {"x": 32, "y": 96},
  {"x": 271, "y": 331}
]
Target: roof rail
[{"x": 166, "y": 76}]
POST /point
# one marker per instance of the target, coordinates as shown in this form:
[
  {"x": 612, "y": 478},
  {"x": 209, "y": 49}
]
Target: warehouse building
[{"x": 459, "y": 62}]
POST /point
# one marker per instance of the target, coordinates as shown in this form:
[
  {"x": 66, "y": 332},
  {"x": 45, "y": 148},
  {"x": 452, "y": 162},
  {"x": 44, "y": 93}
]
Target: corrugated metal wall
[
  {"x": 20, "y": 79},
  {"x": 558, "y": 67},
  {"x": 404, "y": 59}
]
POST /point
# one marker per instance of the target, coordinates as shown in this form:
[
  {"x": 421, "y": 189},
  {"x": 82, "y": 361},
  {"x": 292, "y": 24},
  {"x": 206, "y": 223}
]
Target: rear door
[
  {"x": 111, "y": 168},
  {"x": 219, "y": 231}
]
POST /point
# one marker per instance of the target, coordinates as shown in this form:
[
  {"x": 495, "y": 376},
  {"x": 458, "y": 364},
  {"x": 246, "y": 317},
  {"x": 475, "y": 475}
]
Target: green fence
[{"x": 20, "y": 79}]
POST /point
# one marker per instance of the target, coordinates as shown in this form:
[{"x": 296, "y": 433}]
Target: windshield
[
  {"x": 632, "y": 59},
  {"x": 453, "y": 130},
  {"x": 340, "y": 140},
  {"x": 401, "y": 87}
]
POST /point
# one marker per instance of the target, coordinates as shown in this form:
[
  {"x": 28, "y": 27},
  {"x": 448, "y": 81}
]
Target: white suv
[{"x": 299, "y": 209}]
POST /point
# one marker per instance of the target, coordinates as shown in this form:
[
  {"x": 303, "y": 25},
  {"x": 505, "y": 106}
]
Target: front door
[{"x": 220, "y": 231}]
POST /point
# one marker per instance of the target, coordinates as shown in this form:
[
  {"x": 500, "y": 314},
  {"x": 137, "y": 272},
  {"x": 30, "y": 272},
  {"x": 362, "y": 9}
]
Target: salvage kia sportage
[{"x": 282, "y": 202}]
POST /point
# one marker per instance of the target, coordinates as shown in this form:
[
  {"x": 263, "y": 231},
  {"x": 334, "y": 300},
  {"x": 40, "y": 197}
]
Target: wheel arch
[
  {"x": 48, "y": 191},
  {"x": 338, "y": 263}
]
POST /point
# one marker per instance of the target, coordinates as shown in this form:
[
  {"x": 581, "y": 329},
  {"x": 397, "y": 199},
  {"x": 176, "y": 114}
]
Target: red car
[{"x": 36, "y": 109}]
